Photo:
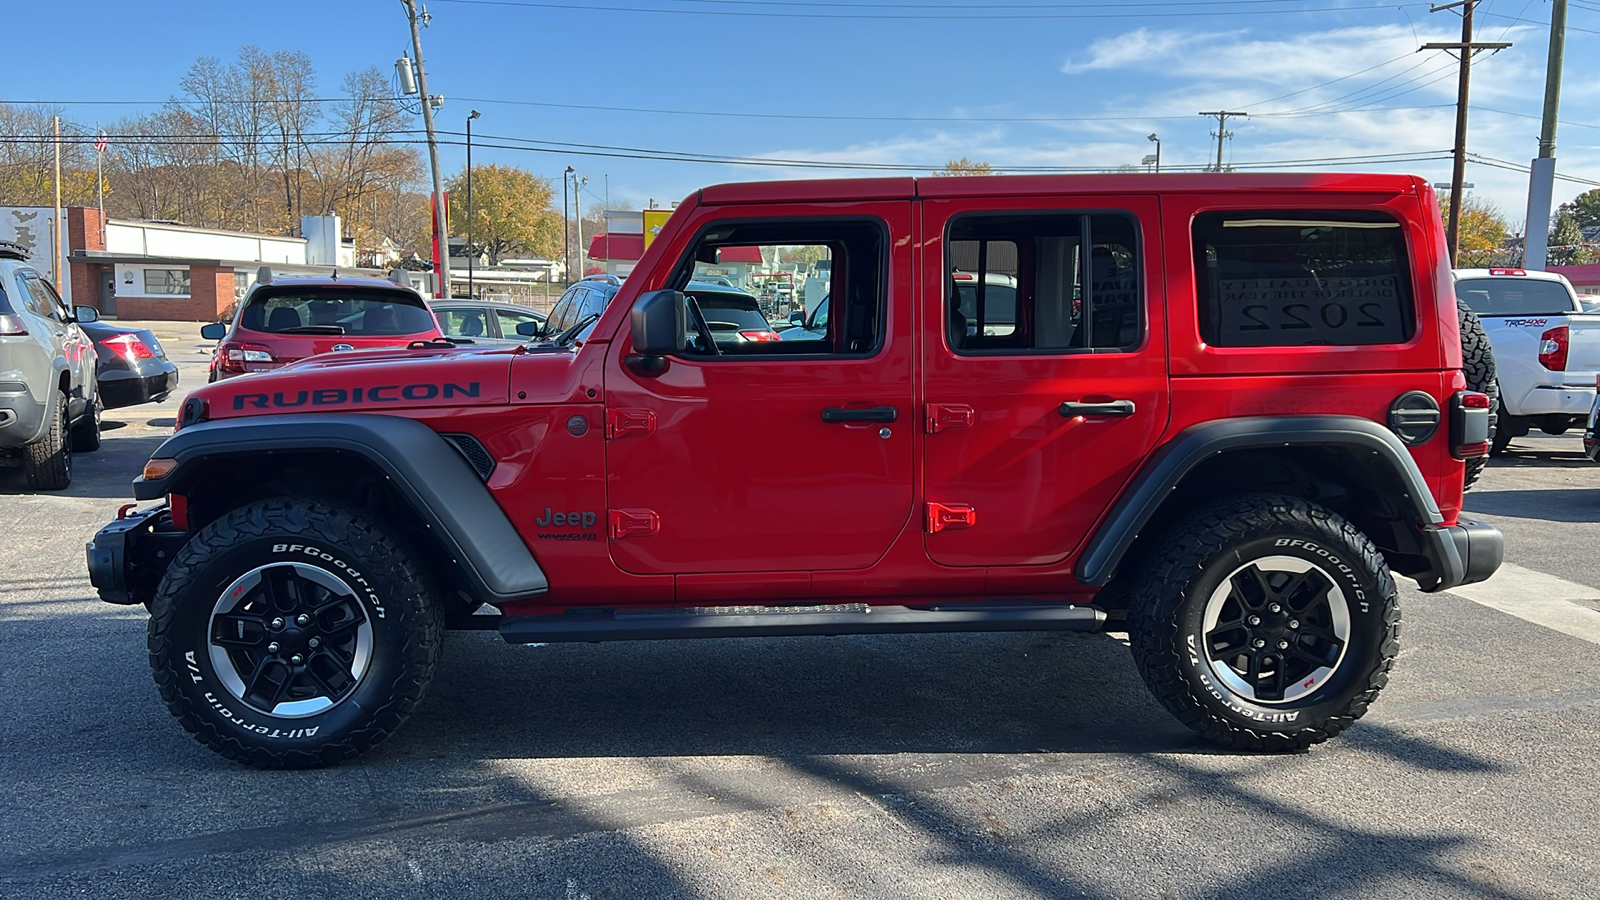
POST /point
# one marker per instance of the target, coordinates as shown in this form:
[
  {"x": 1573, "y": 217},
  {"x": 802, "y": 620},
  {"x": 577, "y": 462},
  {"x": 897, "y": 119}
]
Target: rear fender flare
[{"x": 1196, "y": 444}]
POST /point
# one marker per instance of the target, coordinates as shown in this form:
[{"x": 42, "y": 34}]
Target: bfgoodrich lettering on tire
[
  {"x": 1265, "y": 623},
  {"x": 292, "y": 633}
]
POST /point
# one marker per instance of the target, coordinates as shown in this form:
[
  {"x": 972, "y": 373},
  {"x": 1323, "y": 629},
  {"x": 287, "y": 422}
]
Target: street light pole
[
  {"x": 439, "y": 212},
  {"x": 471, "y": 250},
  {"x": 1157, "y": 141},
  {"x": 566, "y": 224}
]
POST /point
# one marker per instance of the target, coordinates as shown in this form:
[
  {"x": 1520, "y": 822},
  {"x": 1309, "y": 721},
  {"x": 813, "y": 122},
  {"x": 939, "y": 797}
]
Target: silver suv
[{"x": 48, "y": 403}]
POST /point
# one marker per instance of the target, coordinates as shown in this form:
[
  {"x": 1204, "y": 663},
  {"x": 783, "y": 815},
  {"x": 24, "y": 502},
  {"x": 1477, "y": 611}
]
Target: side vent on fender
[{"x": 476, "y": 456}]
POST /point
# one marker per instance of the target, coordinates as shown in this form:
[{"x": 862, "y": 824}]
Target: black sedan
[{"x": 130, "y": 365}]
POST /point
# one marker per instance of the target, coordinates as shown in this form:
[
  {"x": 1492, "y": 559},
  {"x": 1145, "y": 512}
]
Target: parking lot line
[{"x": 1539, "y": 598}]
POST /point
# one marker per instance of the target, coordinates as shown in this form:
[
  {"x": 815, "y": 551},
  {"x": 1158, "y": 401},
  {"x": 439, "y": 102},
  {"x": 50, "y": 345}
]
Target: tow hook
[{"x": 122, "y": 513}]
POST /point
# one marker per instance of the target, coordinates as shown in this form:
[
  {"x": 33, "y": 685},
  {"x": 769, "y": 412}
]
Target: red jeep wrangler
[{"x": 1214, "y": 412}]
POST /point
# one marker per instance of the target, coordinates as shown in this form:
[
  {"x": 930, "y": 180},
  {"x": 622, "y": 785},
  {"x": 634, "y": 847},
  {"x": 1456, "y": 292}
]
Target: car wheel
[
  {"x": 1477, "y": 365},
  {"x": 1265, "y": 623},
  {"x": 293, "y": 634},
  {"x": 86, "y": 434},
  {"x": 47, "y": 462}
]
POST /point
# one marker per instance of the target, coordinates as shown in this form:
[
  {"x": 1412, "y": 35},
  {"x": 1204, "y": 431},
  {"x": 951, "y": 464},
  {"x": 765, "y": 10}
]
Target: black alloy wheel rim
[
  {"x": 1276, "y": 630},
  {"x": 290, "y": 640}
]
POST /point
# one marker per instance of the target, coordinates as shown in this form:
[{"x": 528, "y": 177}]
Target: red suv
[
  {"x": 283, "y": 319},
  {"x": 1215, "y": 412}
]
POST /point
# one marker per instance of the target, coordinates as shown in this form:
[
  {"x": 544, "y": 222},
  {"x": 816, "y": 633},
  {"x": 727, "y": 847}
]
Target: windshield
[
  {"x": 1514, "y": 296},
  {"x": 358, "y": 312}
]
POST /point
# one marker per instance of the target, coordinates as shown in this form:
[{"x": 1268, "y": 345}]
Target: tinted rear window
[
  {"x": 1513, "y": 296},
  {"x": 729, "y": 312},
  {"x": 358, "y": 312},
  {"x": 1301, "y": 278}
]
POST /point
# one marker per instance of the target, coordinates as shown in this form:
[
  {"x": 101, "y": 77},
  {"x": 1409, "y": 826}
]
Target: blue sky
[{"x": 1069, "y": 83}]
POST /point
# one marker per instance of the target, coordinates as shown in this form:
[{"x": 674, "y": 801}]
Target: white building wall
[{"x": 151, "y": 239}]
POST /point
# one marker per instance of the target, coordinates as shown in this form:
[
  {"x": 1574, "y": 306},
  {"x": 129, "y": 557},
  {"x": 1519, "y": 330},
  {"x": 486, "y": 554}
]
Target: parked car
[
  {"x": 579, "y": 308},
  {"x": 283, "y": 319},
  {"x": 1546, "y": 348},
  {"x": 1222, "y": 449},
  {"x": 130, "y": 365},
  {"x": 49, "y": 406},
  {"x": 813, "y": 327},
  {"x": 733, "y": 316},
  {"x": 482, "y": 321}
]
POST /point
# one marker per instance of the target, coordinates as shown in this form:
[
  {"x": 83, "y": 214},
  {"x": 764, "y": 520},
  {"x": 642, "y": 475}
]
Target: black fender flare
[
  {"x": 1194, "y": 445},
  {"x": 433, "y": 477}
]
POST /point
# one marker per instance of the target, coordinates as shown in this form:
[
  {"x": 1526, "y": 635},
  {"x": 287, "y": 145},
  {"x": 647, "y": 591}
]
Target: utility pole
[
  {"x": 1464, "y": 51},
  {"x": 471, "y": 250},
  {"x": 577, "y": 213},
  {"x": 1222, "y": 133},
  {"x": 1542, "y": 173},
  {"x": 439, "y": 212}
]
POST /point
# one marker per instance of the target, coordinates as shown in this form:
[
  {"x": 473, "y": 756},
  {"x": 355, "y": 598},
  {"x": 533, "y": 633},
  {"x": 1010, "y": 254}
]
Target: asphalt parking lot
[{"x": 1026, "y": 765}]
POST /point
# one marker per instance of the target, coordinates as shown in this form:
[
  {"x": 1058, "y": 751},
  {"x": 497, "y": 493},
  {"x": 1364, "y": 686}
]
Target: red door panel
[
  {"x": 1035, "y": 480},
  {"x": 740, "y": 470}
]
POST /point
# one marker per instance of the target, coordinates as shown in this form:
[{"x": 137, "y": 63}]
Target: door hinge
[
  {"x": 634, "y": 522},
  {"x": 943, "y": 416},
  {"x": 621, "y": 422},
  {"x": 950, "y": 515}
]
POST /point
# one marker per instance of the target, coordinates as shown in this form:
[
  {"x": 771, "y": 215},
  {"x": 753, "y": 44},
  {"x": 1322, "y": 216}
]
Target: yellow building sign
[{"x": 653, "y": 220}]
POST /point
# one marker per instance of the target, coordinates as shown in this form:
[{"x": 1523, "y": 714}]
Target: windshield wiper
[
  {"x": 571, "y": 334},
  {"x": 312, "y": 329}
]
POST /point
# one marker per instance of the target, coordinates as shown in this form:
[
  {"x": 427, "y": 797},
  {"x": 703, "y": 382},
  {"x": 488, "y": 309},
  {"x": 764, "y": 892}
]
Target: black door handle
[
  {"x": 1071, "y": 409},
  {"x": 833, "y": 415}
]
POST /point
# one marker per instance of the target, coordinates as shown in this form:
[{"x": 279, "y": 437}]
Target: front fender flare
[{"x": 438, "y": 483}]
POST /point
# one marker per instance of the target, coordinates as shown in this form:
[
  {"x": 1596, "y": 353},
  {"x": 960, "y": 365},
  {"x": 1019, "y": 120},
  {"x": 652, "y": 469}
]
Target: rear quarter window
[{"x": 1302, "y": 278}]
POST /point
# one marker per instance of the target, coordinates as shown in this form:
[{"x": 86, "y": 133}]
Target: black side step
[{"x": 782, "y": 622}]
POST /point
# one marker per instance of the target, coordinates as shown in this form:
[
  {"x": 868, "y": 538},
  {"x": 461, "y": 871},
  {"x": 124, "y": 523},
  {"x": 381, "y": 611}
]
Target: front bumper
[
  {"x": 128, "y": 557},
  {"x": 1464, "y": 553}
]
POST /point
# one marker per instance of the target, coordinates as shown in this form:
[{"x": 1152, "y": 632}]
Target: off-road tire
[
  {"x": 1477, "y": 364},
  {"x": 47, "y": 462},
  {"x": 1190, "y": 566},
  {"x": 386, "y": 586},
  {"x": 86, "y": 434}
]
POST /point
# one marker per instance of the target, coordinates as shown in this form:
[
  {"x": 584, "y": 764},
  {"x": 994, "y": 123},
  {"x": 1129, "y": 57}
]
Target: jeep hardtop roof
[{"x": 908, "y": 188}]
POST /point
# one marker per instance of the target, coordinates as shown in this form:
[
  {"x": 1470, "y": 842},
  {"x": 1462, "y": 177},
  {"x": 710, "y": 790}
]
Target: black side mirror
[
  {"x": 85, "y": 314},
  {"x": 530, "y": 329},
  {"x": 660, "y": 321},
  {"x": 214, "y": 331},
  {"x": 797, "y": 318}
]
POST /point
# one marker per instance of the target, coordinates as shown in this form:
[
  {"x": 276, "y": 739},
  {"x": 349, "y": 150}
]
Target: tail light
[
  {"x": 12, "y": 325},
  {"x": 129, "y": 347},
  {"x": 760, "y": 335},
  {"x": 231, "y": 358},
  {"x": 1553, "y": 348},
  {"x": 1469, "y": 425}
]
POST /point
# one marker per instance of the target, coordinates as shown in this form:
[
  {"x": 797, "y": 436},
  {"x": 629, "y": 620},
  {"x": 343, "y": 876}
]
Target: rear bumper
[
  {"x": 1565, "y": 400},
  {"x": 127, "y": 558},
  {"x": 1464, "y": 553},
  {"x": 22, "y": 418},
  {"x": 118, "y": 389}
]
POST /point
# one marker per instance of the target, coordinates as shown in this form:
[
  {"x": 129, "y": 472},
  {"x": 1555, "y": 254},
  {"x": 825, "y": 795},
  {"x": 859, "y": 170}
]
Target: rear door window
[
  {"x": 1514, "y": 296},
  {"x": 1297, "y": 278},
  {"x": 357, "y": 312}
]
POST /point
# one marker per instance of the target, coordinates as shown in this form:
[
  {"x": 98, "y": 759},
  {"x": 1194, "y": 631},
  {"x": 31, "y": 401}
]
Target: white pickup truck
[{"x": 1546, "y": 348}]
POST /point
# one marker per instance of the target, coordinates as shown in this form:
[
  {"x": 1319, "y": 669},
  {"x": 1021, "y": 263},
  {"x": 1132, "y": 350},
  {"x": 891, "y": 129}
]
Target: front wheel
[
  {"x": 1265, "y": 623},
  {"x": 292, "y": 634}
]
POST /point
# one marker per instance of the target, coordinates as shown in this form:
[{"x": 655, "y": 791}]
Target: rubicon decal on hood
[{"x": 384, "y": 393}]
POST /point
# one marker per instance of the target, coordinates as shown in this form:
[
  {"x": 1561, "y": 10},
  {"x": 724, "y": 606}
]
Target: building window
[{"x": 166, "y": 281}]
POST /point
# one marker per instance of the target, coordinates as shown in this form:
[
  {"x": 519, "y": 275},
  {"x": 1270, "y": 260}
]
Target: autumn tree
[
  {"x": 1483, "y": 226},
  {"x": 27, "y": 159},
  {"x": 511, "y": 212},
  {"x": 964, "y": 166}
]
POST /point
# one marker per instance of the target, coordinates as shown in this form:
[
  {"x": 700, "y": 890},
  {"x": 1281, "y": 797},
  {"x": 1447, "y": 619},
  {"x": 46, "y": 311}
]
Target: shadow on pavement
[{"x": 1570, "y": 505}]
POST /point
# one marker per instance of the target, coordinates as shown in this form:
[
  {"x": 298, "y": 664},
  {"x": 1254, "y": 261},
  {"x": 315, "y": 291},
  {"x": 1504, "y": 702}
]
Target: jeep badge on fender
[{"x": 1218, "y": 413}]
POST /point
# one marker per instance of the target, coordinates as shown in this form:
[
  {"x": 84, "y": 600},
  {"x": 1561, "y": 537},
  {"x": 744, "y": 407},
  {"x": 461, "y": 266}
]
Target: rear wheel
[
  {"x": 1477, "y": 364},
  {"x": 86, "y": 434},
  {"x": 47, "y": 462},
  {"x": 293, "y": 634},
  {"x": 1265, "y": 623}
]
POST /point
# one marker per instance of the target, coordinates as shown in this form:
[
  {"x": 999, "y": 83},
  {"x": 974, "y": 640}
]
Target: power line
[{"x": 925, "y": 16}]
